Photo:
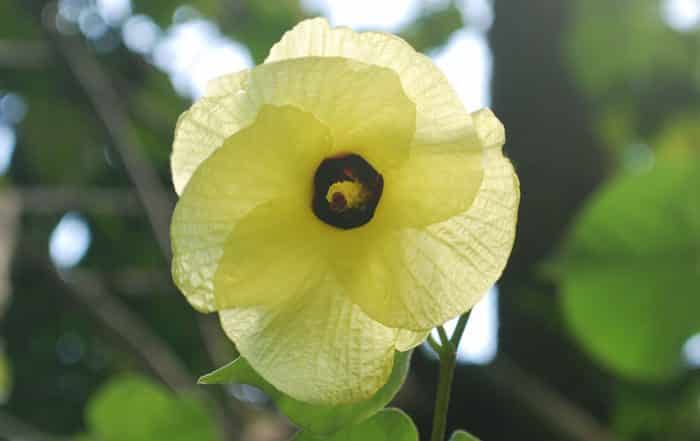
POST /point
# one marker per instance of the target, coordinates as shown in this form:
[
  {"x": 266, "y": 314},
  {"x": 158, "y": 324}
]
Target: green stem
[
  {"x": 433, "y": 344},
  {"x": 448, "y": 361},
  {"x": 443, "y": 335},
  {"x": 459, "y": 329}
]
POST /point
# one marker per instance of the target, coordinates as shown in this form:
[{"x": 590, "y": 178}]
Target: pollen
[{"x": 346, "y": 195}]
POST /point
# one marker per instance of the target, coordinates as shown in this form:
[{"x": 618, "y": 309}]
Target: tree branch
[
  {"x": 133, "y": 282},
  {"x": 24, "y": 54},
  {"x": 563, "y": 415},
  {"x": 90, "y": 291},
  {"x": 52, "y": 200},
  {"x": 111, "y": 111}
]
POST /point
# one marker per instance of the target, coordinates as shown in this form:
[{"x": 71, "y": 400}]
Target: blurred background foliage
[{"x": 599, "y": 308}]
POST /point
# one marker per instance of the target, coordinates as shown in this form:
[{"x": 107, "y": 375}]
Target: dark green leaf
[
  {"x": 259, "y": 25},
  {"x": 387, "y": 425},
  {"x": 163, "y": 10},
  {"x": 16, "y": 23},
  {"x": 315, "y": 418},
  {"x": 630, "y": 42},
  {"x": 432, "y": 28},
  {"x": 668, "y": 414}
]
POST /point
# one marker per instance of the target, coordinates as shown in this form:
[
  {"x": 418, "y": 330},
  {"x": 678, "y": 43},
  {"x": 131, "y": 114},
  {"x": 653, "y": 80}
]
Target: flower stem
[
  {"x": 448, "y": 361},
  {"x": 434, "y": 344},
  {"x": 459, "y": 329},
  {"x": 443, "y": 335},
  {"x": 447, "y": 352}
]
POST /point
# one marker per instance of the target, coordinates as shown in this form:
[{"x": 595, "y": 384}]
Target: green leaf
[
  {"x": 163, "y": 10},
  {"x": 433, "y": 28},
  {"x": 631, "y": 271},
  {"x": 315, "y": 418},
  {"x": 57, "y": 151},
  {"x": 387, "y": 425},
  {"x": 461, "y": 435},
  {"x": 668, "y": 414},
  {"x": 16, "y": 23},
  {"x": 630, "y": 43},
  {"x": 131, "y": 408},
  {"x": 259, "y": 25}
]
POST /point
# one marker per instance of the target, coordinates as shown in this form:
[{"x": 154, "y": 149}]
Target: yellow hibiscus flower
[{"x": 336, "y": 203}]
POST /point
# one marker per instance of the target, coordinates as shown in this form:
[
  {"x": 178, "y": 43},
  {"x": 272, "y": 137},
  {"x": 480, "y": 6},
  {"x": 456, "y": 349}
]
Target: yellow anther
[{"x": 345, "y": 194}]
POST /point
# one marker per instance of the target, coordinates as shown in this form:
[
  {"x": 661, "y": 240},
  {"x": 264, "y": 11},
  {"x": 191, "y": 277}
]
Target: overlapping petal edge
[{"x": 331, "y": 336}]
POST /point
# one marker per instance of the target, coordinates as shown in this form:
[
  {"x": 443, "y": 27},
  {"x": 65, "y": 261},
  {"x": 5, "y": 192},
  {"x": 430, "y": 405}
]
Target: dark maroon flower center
[{"x": 346, "y": 191}]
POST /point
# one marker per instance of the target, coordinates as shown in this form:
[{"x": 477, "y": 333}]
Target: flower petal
[
  {"x": 277, "y": 250},
  {"x": 440, "y": 117},
  {"x": 273, "y": 158},
  {"x": 430, "y": 188},
  {"x": 318, "y": 348},
  {"x": 204, "y": 128},
  {"x": 407, "y": 339},
  {"x": 420, "y": 278},
  {"x": 364, "y": 106},
  {"x": 441, "y": 181}
]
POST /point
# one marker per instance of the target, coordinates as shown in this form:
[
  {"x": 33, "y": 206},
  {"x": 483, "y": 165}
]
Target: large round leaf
[
  {"x": 131, "y": 408},
  {"x": 631, "y": 271}
]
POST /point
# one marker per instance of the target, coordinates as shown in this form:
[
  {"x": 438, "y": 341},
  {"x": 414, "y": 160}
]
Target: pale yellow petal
[
  {"x": 491, "y": 133},
  {"x": 277, "y": 250},
  {"x": 440, "y": 118},
  {"x": 407, "y": 339},
  {"x": 430, "y": 188},
  {"x": 227, "y": 84},
  {"x": 364, "y": 106},
  {"x": 416, "y": 194},
  {"x": 420, "y": 278},
  {"x": 204, "y": 128},
  {"x": 273, "y": 158},
  {"x": 318, "y": 348}
]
